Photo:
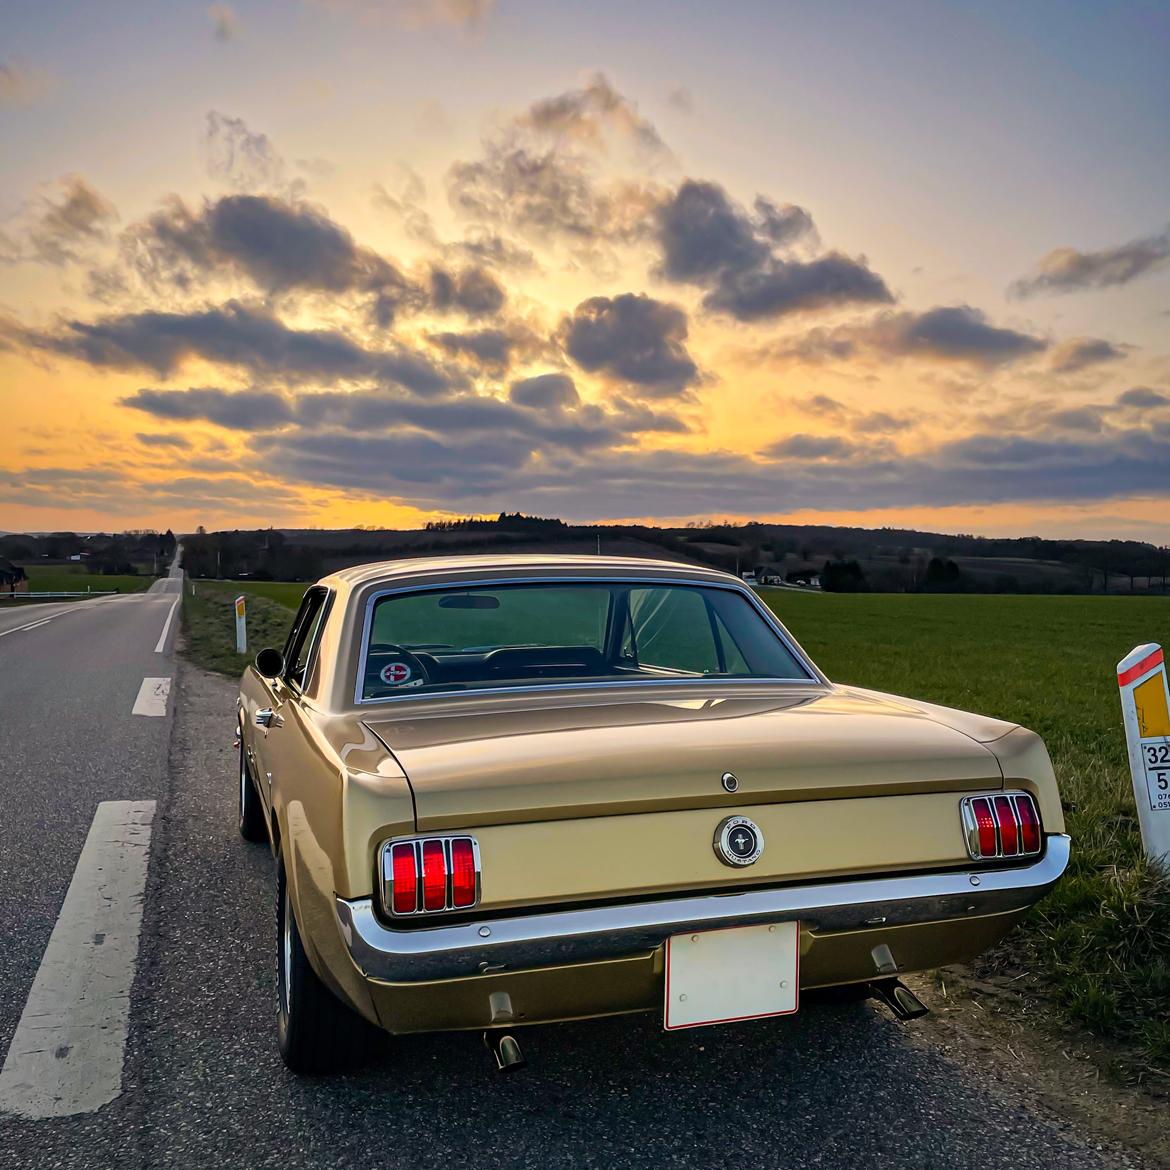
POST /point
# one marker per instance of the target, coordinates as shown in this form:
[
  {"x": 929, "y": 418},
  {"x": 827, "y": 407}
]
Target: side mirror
[{"x": 270, "y": 662}]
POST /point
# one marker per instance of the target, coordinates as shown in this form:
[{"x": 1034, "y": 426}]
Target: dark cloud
[
  {"x": 881, "y": 422},
  {"x": 276, "y": 244},
  {"x": 1083, "y": 418},
  {"x": 474, "y": 290},
  {"x": 1069, "y": 270},
  {"x": 709, "y": 240},
  {"x": 1144, "y": 398},
  {"x": 682, "y": 99},
  {"x": 587, "y": 115},
  {"x": 703, "y": 235},
  {"x": 237, "y": 336},
  {"x": 489, "y": 347},
  {"x": 177, "y": 442},
  {"x": 535, "y": 192},
  {"x": 956, "y": 332},
  {"x": 238, "y": 410},
  {"x": 783, "y": 287},
  {"x": 1077, "y": 353},
  {"x": 808, "y": 447},
  {"x": 947, "y": 333},
  {"x": 783, "y": 224},
  {"x": 57, "y": 224},
  {"x": 637, "y": 417},
  {"x": 538, "y": 175},
  {"x": 634, "y": 339},
  {"x": 481, "y": 244},
  {"x": 545, "y": 392},
  {"x": 448, "y": 472},
  {"x": 823, "y": 404},
  {"x": 243, "y": 159}
]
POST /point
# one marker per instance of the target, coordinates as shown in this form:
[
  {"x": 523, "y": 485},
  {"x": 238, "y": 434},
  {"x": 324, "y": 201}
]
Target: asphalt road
[{"x": 835, "y": 1086}]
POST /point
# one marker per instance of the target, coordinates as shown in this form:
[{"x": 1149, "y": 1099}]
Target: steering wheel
[{"x": 398, "y": 673}]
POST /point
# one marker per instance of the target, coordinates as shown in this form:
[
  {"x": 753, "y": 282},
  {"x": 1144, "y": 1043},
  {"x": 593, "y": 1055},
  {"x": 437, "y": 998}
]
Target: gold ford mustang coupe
[{"x": 511, "y": 790}]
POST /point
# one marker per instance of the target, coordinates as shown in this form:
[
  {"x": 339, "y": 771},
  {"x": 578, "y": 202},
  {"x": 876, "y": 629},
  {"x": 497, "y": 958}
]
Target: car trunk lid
[{"x": 516, "y": 759}]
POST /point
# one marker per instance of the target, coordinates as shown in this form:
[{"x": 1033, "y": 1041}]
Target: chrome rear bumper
[{"x": 609, "y": 932}]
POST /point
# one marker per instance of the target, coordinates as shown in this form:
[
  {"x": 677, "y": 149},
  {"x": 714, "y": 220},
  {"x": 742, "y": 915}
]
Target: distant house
[{"x": 13, "y": 579}]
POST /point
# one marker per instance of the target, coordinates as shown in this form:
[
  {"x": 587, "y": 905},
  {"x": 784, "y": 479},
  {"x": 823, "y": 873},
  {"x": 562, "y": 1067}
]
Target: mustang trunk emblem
[{"x": 738, "y": 841}]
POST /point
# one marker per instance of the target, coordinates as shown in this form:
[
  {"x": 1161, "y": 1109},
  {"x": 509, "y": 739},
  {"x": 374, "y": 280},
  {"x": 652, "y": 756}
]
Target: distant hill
[{"x": 893, "y": 560}]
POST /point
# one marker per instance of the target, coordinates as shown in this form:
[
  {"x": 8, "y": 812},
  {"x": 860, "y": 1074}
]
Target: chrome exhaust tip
[
  {"x": 505, "y": 1050},
  {"x": 901, "y": 1001}
]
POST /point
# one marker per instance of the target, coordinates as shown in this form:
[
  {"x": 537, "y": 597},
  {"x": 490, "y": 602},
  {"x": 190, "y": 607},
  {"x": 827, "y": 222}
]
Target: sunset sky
[{"x": 336, "y": 262}]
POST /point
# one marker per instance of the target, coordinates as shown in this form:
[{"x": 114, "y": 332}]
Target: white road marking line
[
  {"x": 152, "y": 697},
  {"x": 166, "y": 627},
  {"x": 30, "y": 626},
  {"x": 66, "y": 1054}
]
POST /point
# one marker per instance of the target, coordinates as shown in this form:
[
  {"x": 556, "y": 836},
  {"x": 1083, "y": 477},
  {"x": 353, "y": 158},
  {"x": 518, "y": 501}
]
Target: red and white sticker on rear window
[{"x": 394, "y": 674}]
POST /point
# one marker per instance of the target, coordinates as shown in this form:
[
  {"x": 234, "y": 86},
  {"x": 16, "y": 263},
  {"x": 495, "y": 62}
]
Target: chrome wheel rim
[
  {"x": 286, "y": 956},
  {"x": 243, "y": 781}
]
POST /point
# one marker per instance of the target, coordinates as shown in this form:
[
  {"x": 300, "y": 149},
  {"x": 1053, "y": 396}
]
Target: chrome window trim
[
  {"x": 311, "y": 654},
  {"x": 553, "y": 938},
  {"x": 802, "y": 660}
]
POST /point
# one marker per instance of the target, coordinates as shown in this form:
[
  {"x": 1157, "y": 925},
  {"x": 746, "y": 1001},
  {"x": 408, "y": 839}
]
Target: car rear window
[{"x": 532, "y": 634}]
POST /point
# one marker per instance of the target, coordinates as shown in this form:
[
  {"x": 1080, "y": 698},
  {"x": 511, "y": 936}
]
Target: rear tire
[
  {"x": 315, "y": 1031},
  {"x": 253, "y": 825}
]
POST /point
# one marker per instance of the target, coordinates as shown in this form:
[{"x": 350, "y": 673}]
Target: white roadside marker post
[
  {"x": 241, "y": 626},
  {"x": 1145, "y": 710}
]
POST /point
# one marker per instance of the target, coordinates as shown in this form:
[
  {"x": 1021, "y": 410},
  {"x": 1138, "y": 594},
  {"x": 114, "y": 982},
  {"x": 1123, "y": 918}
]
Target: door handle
[{"x": 265, "y": 717}]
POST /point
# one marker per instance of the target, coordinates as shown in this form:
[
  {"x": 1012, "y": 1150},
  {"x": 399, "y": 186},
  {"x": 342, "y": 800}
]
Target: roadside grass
[
  {"x": 1101, "y": 939},
  {"x": 286, "y": 593},
  {"x": 209, "y": 623},
  {"x": 64, "y": 579}
]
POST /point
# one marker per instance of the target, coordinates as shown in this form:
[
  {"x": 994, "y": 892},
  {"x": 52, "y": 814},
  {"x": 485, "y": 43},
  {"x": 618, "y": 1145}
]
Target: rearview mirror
[
  {"x": 270, "y": 662},
  {"x": 469, "y": 601}
]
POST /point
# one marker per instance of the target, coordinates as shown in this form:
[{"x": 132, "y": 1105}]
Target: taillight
[
  {"x": 434, "y": 860},
  {"x": 404, "y": 874},
  {"x": 463, "y": 873},
  {"x": 1001, "y": 825},
  {"x": 1009, "y": 830},
  {"x": 429, "y": 875},
  {"x": 985, "y": 826},
  {"x": 1029, "y": 825}
]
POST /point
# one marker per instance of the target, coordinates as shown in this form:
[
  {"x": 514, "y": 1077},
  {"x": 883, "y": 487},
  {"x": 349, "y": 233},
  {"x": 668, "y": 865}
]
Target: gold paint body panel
[{"x": 582, "y": 795}]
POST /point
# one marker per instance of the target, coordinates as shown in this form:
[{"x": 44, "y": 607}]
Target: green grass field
[
  {"x": 209, "y": 620},
  {"x": 74, "y": 578},
  {"x": 1102, "y": 938}
]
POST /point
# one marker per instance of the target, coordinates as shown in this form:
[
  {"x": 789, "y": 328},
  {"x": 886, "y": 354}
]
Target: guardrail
[{"x": 47, "y": 596}]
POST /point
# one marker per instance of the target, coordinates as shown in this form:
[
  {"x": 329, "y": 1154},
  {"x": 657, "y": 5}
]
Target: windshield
[{"x": 517, "y": 635}]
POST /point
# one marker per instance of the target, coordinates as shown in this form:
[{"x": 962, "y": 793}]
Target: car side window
[
  {"x": 670, "y": 629},
  {"x": 303, "y": 639}
]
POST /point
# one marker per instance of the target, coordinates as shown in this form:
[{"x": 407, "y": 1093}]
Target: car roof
[{"x": 443, "y": 568}]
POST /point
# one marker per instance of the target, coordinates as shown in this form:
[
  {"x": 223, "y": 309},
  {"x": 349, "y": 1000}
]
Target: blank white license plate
[{"x": 743, "y": 973}]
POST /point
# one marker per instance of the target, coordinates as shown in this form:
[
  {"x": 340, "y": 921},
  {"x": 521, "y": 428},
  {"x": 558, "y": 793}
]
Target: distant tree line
[
  {"x": 260, "y": 555},
  {"x": 101, "y": 553},
  {"x": 505, "y": 520}
]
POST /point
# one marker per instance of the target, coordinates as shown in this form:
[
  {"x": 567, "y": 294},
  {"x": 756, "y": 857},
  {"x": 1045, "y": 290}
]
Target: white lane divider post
[
  {"x": 241, "y": 626},
  {"x": 1145, "y": 710},
  {"x": 66, "y": 1054}
]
